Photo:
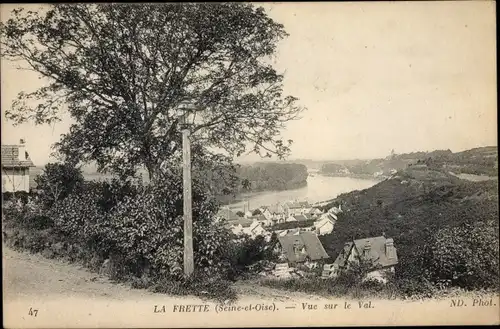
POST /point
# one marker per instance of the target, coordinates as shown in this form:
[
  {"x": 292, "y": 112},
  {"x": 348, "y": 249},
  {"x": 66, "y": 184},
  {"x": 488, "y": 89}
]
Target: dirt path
[
  {"x": 66, "y": 295},
  {"x": 28, "y": 275},
  {"x": 31, "y": 275}
]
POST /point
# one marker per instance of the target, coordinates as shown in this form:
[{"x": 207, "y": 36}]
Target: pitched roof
[
  {"x": 322, "y": 222},
  {"x": 275, "y": 209},
  {"x": 377, "y": 251},
  {"x": 254, "y": 225},
  {"x": 10, "y": 157},
  {"x": 313, "y": 247}
]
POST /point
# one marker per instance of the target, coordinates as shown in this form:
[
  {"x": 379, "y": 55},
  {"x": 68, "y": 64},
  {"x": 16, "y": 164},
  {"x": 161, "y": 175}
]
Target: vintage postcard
[{"x": 249, "y": 164}]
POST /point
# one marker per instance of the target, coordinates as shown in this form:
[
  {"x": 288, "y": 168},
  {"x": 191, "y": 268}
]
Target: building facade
[{"x": 16, "y": 165}]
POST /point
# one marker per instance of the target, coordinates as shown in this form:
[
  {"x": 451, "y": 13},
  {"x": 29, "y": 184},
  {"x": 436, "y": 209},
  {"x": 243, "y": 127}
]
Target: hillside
[
  {"x": 411, "y": 207},
  {"x": 478, "y": 161}
]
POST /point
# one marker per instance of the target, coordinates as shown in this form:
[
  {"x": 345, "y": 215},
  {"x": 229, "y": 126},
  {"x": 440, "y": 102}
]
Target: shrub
[
  {"x": 250, "y": 254},
  {"x": 57, "y": 181},
  {"x": 205, "y": 287},
  {"x": 141, "y": 228},
  {"x": 466, "y": 256},
  {"x": 23, "y": 196}
]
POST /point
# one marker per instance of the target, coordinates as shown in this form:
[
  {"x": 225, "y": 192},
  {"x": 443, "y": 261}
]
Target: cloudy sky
[{"x": 374, "y": 77}]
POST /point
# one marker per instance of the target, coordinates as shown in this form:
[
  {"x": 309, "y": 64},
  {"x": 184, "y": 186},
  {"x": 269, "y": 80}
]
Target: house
[
  {"x": 16, "y": 164},
  {"x": 324, "y": 225},
  {"x": 335, "y": 210},
  {"x": 295, "y": 208},
  {"x": 265, "y": 212},
  {"x": 277, "y": 212},
  {"x": 315, "y": 212},
  {"x": 304, "y": 247},
  {"x": 238, "y": 226},
  {"x": 297, "y": 218},
  {"x": 254, "y": 229},
  {"x": 262, "y": 219},
  {"x": 378, "y": 250}
]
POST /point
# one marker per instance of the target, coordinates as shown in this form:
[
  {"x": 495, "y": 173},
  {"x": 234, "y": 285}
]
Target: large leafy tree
[{"x": 123, "y": 72}]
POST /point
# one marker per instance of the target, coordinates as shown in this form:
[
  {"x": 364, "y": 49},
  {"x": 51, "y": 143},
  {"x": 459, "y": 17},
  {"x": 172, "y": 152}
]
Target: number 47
[{"x": 32, "y": 312}]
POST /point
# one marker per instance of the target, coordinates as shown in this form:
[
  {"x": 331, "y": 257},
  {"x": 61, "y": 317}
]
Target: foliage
[
  {"x": 246, "y": 252},
  {"x": 17, "y": 195},
  {"x": 200, "y": 285},
  {"x": 465, "y": 256},
  {"x": 273, "y": 176},
  {"x": 57, "y": 181},
  {"x": 256, "y": 212},
  {"x": 25, "y": 214},
  {"x": 124, "y": 72}
]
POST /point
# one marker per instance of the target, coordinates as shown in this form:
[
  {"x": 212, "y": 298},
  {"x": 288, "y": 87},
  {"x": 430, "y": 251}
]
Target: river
[{"x": 319, "y": 188}]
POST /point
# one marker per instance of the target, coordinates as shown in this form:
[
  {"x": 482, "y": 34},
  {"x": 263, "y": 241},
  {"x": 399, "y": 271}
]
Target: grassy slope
[{"x": 411, "y": 206}]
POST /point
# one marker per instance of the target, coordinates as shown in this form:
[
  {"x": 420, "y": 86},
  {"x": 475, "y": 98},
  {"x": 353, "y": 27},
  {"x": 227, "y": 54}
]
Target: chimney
[{"x": 390, "y": 251}]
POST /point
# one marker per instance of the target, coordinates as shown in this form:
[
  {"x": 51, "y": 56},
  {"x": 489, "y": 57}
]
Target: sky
[{"x": 408, "y": 76}]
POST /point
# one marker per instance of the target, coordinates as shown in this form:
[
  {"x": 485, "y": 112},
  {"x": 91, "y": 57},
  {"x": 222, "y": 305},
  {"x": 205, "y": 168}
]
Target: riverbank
[
  {"x": 357, "y": 176},
  {"x": 319, "y": 188}
]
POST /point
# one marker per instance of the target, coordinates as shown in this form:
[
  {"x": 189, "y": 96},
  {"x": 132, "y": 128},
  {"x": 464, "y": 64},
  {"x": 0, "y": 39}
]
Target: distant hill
[
  {"x": 479, "y": 161},
  {"x": 272, "y": 176}
]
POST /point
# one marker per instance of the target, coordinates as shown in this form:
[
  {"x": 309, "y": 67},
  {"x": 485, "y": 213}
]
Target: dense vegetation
[
  {"x": 273, "y": 176},
  {"x": 130, "y": 232},
  {"x": 445, "y": 229}
]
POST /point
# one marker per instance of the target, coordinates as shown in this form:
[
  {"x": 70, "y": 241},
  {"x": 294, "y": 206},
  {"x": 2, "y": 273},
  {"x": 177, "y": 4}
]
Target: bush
[
  {"x": 57, "y": 181},
  {"x": 250, "y": 255},
  {"x": 211, "y": 287},
  {"x": 465, "y": 256},
  {"x": 142, "y": 227},
  {"x": 23, "y": 196}
]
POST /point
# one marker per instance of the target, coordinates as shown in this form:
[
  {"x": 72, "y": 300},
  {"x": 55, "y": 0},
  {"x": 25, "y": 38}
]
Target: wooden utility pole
[{"x": 188, "y": 215}]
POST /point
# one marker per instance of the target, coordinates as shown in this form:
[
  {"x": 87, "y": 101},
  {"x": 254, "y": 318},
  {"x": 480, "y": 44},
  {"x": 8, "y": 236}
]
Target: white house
[
  {"x": 336, "y": 210},
  {"x": 255, "y": 229},
  {"x": 296, "y": 208},
  {"x": 16, "y": 164},
  {"x": 378, "y": 250},
  {"x": 324, "y": 226},
  {"x": 328, "y": 216},
  {"x": 275, "y": 212}
]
